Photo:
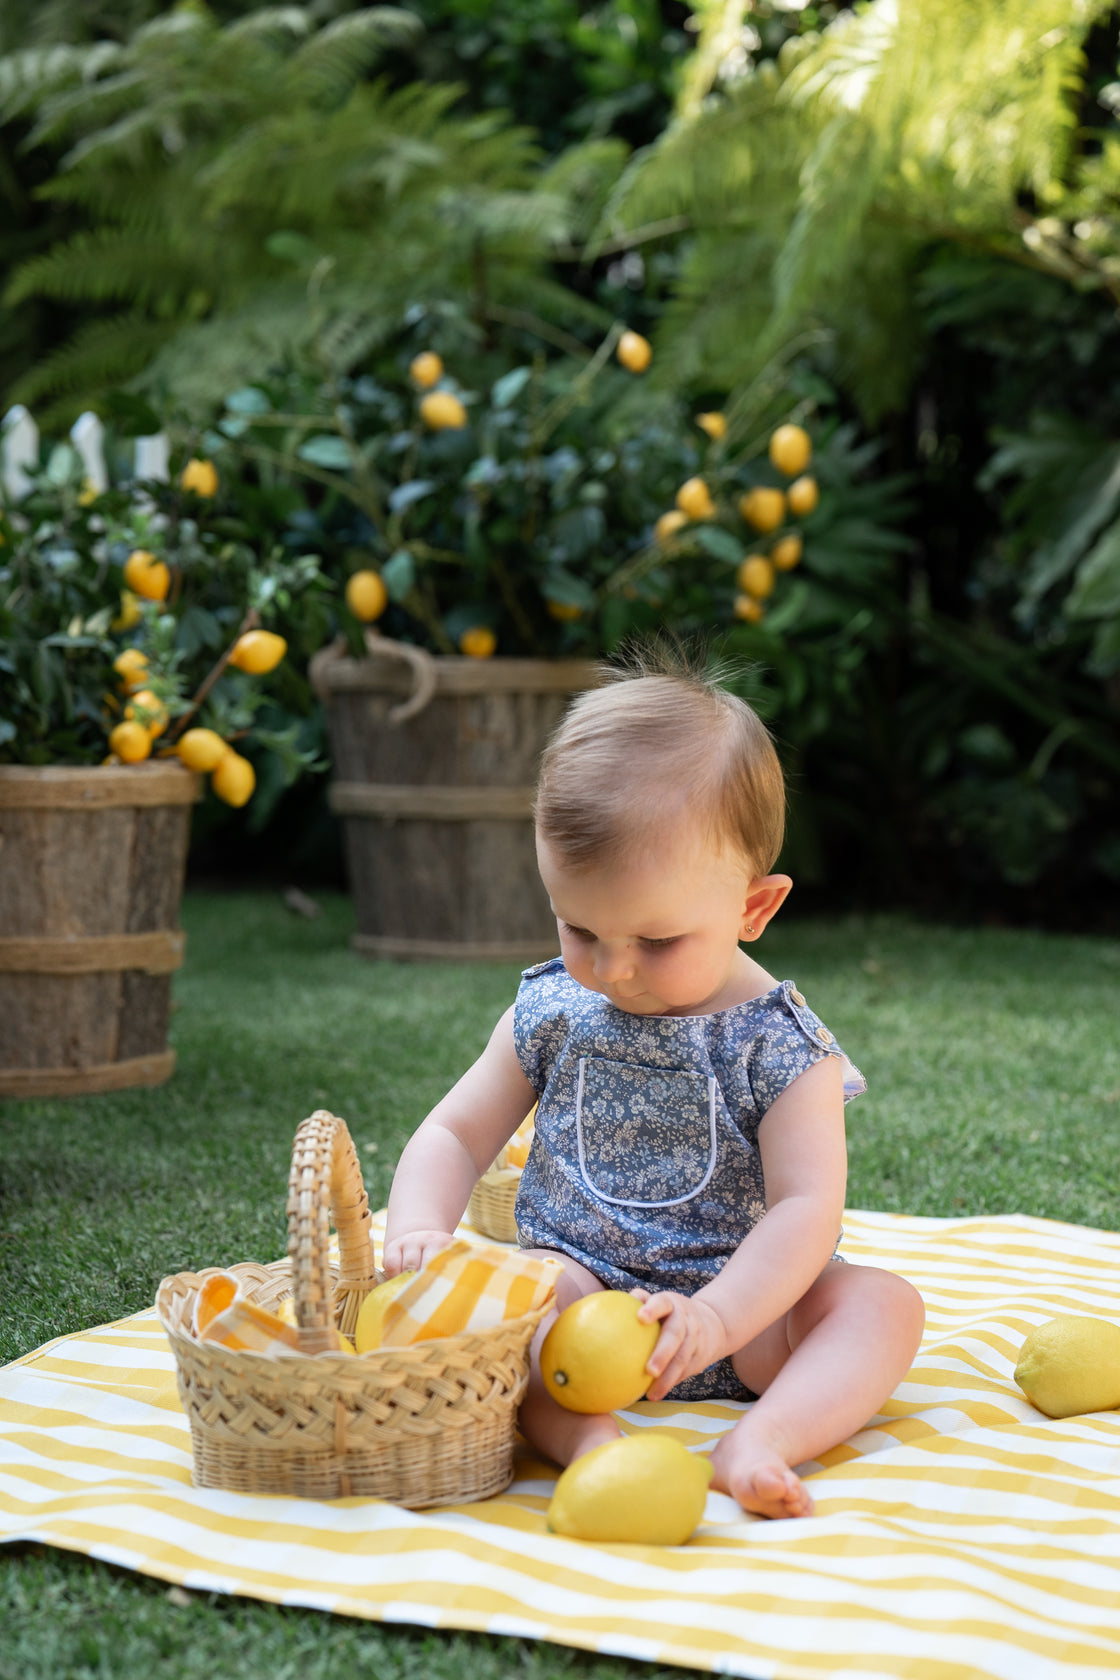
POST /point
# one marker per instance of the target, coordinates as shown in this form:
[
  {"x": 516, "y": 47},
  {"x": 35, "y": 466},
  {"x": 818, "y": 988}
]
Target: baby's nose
[{"x": 614, "y": 963}]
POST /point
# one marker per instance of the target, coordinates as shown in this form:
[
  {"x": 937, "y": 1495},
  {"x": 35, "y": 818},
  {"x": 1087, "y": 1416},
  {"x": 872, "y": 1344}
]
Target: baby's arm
[
  {"x": 804, "y": 1163},
  {"x": 447, "y": 1155}
]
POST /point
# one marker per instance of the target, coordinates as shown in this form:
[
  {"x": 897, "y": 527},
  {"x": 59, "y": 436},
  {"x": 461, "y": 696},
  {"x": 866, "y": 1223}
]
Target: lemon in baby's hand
[
  {"x": 1071, "y": 1365},
  {"x": 367, "y": 1331},
  {"x": 594, "y": 1357},
  {"x": 644, "y": 1489}
]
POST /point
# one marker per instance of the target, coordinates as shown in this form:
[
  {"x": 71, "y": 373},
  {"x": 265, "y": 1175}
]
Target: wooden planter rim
[
  {"x": 91, "y": 787},
  {"x": 159, "y": 952}
]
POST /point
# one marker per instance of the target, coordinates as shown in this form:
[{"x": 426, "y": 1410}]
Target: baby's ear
[{"x": 765, "y": 897}]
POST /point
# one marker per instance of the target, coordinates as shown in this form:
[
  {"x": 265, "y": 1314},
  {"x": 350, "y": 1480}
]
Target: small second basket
[{"x": 429, "y": 1424}]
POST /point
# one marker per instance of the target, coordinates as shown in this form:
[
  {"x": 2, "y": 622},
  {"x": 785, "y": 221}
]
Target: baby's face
[{"x": 658, "y": 935}]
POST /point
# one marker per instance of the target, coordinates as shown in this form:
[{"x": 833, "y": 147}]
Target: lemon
[
  {"x": 149, "y": 710},
  {"x": 634, "y": 352},
  {"x": 233, "y": 778},
  {"x": 201, "y": 749},
  {"x": 258, "y": 652},
  {"x": 201, "y": 477},
  {"x": 367, "y": 1331},
  {"x": 426, "y": 369},
  {"x": 147, "y": 576},
  {"x": 442, "y": 411},
  {"x": 366, "y": 595},
  {"x": 695, "y": 499},
  {"x": 749, "y": 609},
  {"x": 131, "y": 667},
  {"x": 594, "y": 1357},
  {"x": 1071, "y": 1365},
  {"x": 803, "y": 496},
  {"x": 129, "y": 614},
  {"x": 645, "y": 1490},
  {"x": 756, "y": 576},
  {"x": 131, "y": 742},
  {"x": 565, "y": 611},
  {"x": 791, "y": 450},
  {"x": 763, "y": 508},
  {"x": 668, "y": 526},
  {"x": 478, "y": 643},
  {"x": 714, "y": 424},
  {"x": 786, "y": 552}
]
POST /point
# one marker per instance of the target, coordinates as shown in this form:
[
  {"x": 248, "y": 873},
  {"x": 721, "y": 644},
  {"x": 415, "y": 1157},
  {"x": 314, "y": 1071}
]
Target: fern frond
[
  {"x": 100, "y": 354},
  {"x": 333, "y": 60}
]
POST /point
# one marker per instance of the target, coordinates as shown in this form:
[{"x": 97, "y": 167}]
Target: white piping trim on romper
[{"x": 622, "y": 1201}]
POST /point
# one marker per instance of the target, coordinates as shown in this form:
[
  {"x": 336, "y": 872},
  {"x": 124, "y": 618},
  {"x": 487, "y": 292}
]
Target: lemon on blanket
[
  {"x": 645, "y": 1489},
  {"x": 1071, "y": 1365},
  {"x": 594, "y": 1357},
  {"x": 367, "y": 1331}
]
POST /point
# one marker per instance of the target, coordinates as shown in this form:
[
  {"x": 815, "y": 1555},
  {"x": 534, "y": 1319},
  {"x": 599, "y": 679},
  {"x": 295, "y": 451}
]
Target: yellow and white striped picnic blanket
[{"x": 960, "y": 1535}]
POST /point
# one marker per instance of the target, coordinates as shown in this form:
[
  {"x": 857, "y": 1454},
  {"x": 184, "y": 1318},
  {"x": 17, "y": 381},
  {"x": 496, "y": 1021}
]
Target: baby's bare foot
[{"x": 757, "y": 1476}]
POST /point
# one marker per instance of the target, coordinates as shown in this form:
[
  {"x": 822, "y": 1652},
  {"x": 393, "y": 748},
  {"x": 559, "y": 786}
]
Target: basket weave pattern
[
  {"x": 492, "y": 1203},
  {"x": 423, "y": 1425}
]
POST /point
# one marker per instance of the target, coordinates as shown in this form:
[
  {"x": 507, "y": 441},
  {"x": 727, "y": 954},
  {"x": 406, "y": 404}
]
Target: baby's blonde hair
[{"x": 660, "y": 743}]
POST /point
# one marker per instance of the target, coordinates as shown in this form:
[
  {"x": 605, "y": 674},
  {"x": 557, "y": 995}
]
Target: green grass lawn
[{"x": 993, "y": 1061}]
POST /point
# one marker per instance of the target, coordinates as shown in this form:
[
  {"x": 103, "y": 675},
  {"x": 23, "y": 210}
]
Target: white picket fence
[{"x": 19, "y": 450}]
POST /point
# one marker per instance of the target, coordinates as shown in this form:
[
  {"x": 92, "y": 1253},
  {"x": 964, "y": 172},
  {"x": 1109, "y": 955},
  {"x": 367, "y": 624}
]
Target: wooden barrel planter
[
  {"x": 435, "y": 763},
  {"x": 91, "y": 874}
]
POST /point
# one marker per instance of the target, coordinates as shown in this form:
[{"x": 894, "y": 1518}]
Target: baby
[{"x": 689, "y": 1142}]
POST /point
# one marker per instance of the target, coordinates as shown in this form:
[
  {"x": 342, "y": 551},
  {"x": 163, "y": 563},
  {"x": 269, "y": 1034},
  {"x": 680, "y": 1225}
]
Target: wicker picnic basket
[
  {"x": 430, "y": 1424},
  {"x": 492, "y": 1203}
]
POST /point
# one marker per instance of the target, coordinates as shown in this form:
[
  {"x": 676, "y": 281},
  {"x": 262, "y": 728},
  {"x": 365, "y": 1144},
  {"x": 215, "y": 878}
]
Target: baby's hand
[
  {"x": 692, "y": 1336},
  {"x": 409, "y": 1253}
]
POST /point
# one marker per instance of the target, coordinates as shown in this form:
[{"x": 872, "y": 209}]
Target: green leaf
[
  {"x": 509, "y": 386},
  {"x": 1096, "y": 585},
  {"x": 399, "y": 574},
  {"x": 326, "y": 451},
  {"x": 719, "y": 543}
]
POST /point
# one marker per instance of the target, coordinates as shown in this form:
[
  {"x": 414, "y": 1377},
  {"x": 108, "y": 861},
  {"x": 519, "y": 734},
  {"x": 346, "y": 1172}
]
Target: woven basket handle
[{"x": 325, "y": 1178}]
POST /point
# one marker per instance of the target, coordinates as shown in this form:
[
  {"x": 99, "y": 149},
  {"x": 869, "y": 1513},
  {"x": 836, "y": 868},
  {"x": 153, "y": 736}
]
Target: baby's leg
[
  {"x": 820, "y": 1374},
  {"x": 559, "y": 1434}
]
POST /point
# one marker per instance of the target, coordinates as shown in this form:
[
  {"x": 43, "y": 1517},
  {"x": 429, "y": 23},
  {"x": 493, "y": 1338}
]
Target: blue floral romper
[{"x": 645, "y": 1163}]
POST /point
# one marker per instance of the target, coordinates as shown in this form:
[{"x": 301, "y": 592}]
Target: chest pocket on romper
[{"x": 646, "y": 1136}]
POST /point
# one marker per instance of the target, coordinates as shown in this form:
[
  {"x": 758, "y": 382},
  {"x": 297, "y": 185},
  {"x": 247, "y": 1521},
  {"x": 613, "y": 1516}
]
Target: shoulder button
[
  {"x": 824, "y": 1035},
  {"x": 798, "y": 999}
]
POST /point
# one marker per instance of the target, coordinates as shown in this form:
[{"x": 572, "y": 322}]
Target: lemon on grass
[
  {"x": 1071, "y": 1365},
  {"x": 694, "y": 499},
  {"x": 594, "y": 1357},
  {"x": 258, "y": 652},
  {"x": 366, "y": 595},
  {"x": 634, "y": 352},
  {"x": 791, "y": 450},
  {"x": 426, "y": 369},
  {"x": 645, "y": 1490},
  {"x": 201, "y": 749},
  {"x": 371, "y": 1315},
  {"x": 147, "y": 576},
  {"x": 803, "y": 496},
  {"x": 763, "y": 507},
  {"x": 233, "y": 778}
]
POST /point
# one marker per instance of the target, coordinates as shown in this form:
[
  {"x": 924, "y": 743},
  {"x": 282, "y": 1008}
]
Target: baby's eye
[
  {"x": 661, "y": 944},
  {"x": 577, "y": 933}
]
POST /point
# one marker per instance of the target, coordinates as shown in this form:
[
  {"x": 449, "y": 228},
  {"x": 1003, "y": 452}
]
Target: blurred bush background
[{"x": 896, "y": 225}]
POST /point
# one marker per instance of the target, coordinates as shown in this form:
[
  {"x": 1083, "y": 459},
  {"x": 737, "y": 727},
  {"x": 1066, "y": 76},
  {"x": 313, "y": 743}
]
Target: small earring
[{"x": 749, "y": 928}]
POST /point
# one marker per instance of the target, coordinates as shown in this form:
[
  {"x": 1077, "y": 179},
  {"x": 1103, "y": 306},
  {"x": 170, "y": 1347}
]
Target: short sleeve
[
  {"x": 539, "y": 1027},
  {"x": 794, "y": 1038}
]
